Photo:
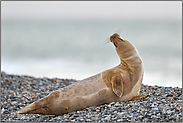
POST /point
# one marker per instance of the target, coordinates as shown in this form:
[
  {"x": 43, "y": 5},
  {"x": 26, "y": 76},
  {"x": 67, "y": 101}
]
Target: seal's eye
[{"x": 114, "y": 37}]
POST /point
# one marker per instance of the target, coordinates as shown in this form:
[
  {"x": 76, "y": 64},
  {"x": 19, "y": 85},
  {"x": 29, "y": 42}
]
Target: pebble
[{"x": 163, "y": 105}]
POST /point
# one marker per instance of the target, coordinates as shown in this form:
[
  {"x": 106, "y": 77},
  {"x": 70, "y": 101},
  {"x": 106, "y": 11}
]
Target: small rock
[
  {"x": 154, "y": 108},
  {"x": 145, "y": 119}
]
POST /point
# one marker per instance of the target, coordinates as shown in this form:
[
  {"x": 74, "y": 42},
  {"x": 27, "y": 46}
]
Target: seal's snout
[{"x": 116, "y": 36}]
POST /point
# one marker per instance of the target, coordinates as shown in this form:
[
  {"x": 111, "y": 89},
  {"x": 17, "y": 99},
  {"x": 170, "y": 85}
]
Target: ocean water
[{"x": 75, "y": 49}]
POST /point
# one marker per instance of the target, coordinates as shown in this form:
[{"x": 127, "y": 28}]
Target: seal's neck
[
  {"x": 132, "y": 60},
  {"x": 127, "y": 53}
]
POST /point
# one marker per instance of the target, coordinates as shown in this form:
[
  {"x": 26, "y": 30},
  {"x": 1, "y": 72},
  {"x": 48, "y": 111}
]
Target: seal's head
[
  {"x": 115, "y": 39},
  {"x": 123, "y": 47}
]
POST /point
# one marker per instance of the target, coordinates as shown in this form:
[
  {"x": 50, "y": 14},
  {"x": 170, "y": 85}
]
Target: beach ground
[{"x": 163, "y": 105}]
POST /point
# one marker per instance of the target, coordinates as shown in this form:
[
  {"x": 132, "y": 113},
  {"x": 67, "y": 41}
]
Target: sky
[{"x": 91, "y": 10}]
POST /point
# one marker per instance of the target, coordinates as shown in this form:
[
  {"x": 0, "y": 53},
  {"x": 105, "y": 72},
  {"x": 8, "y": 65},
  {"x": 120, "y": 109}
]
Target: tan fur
[{"x": 120, "y": 83}]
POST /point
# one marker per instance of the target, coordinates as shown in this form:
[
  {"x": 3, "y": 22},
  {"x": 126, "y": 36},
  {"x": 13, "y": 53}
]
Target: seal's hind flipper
[{"x": 117, "y": 85}]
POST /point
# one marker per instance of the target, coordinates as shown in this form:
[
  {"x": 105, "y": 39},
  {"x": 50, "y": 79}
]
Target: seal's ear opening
[{"x": 117, "y": 85}]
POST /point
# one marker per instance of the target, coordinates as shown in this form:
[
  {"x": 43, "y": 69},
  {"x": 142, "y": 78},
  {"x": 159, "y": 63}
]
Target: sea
[{"x": 76, "y": 49}]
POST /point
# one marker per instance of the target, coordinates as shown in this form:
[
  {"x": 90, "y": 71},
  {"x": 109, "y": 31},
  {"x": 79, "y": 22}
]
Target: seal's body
[{"x": 120, "y": 83}]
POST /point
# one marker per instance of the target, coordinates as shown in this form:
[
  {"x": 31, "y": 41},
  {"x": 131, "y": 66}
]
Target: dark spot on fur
[
  {"x": 76, "y": 91},
  {"x": 102, "y": 92}
]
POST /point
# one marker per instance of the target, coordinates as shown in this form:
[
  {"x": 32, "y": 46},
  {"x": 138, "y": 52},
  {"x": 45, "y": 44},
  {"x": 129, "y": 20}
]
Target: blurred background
[{"x": 66, "y": 39}]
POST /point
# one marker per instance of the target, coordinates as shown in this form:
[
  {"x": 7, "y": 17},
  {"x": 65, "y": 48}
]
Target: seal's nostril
[
  {"x": 115, "y": 44},
  {"x": 121, "y": 39}
]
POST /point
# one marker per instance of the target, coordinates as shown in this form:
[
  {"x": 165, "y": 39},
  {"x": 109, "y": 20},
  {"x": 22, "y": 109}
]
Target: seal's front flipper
[
  {"x": 140, "y": 97},
  {"x": 117, "y": 85}
]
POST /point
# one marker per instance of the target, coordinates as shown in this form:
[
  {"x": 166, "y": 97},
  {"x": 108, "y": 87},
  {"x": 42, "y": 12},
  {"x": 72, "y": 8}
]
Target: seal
[{"x": 121, "y": 83}]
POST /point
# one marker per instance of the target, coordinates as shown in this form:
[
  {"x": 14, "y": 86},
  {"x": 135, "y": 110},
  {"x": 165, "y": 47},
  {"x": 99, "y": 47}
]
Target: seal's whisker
[
  {"x": 120, "y": 31},
  {"x": 106, "y": 42}
]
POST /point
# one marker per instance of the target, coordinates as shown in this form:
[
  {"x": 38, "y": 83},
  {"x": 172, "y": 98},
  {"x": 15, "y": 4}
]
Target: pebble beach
[{"x": 164, "y": 104}]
